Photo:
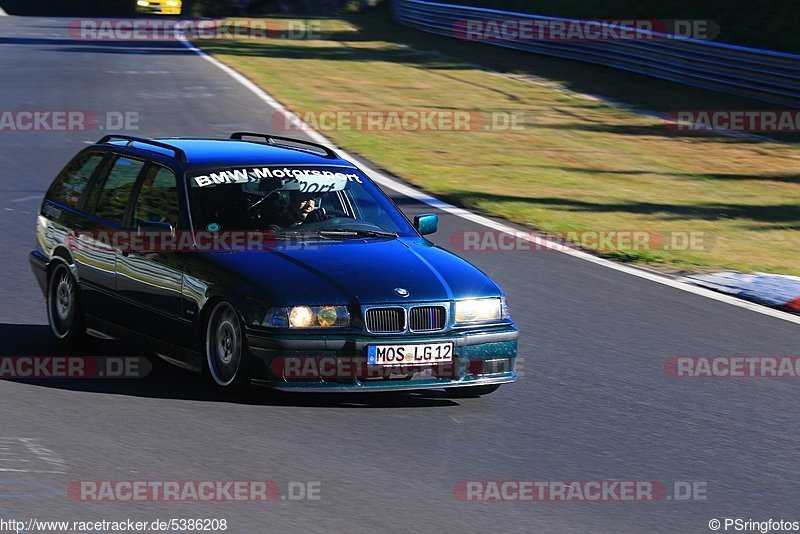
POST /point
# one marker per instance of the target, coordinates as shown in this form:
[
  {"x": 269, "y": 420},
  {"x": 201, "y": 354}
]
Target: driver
[{"x": 303, "y": 207}]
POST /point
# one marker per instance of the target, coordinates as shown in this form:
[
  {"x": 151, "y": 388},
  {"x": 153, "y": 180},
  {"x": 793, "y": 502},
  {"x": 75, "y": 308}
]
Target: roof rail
[
  {"x": 180, "y": 155},
  {"x": 269, "y": 138}
]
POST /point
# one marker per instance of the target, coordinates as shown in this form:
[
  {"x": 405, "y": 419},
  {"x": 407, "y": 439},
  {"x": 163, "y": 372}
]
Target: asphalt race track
[{"x": 594, "y": 401}]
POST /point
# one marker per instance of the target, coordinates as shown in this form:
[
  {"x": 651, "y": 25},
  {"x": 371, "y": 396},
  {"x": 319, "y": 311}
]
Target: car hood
[{"x": 353, "y": 271}]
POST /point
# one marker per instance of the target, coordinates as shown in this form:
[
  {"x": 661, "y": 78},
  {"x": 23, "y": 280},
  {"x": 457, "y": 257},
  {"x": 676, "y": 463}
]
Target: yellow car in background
[{"x": 158, "y": 7}]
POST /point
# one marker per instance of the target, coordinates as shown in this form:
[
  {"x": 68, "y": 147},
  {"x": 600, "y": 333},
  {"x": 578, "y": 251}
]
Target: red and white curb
[{"x": 773, "y": 290}]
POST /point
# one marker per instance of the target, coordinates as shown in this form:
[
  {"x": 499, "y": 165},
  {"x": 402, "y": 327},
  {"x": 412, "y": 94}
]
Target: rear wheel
[
  {"x": 64, "y": 310},
  {"x": 471, "y": 391},
  {"x": 226, "y": 350}
]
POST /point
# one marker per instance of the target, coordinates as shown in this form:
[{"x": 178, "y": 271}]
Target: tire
[
  {"x": 227, "y": 357},
  {"x": 471, "y": 391},
  {"x": 64, "y": 309}
]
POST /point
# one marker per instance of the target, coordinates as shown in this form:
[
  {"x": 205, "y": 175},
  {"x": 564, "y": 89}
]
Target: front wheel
[
  {"x": 64, "y": 310},
  {"x": 471, "y": 391},
  {"x": 226, "y": 350}
]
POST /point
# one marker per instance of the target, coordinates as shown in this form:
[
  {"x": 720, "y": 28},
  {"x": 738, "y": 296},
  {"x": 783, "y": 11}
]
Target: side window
[
  {"x": 158, "y": 200},
  {"x": 69, "y": 185},
  {"x": 109, "y": 198}
]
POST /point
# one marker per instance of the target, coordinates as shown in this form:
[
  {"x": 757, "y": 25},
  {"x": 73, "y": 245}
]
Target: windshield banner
[{"x": 302, "y": 179}]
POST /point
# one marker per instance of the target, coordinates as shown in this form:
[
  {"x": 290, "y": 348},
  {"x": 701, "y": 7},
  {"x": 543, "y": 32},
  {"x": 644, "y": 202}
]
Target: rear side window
[
  {"x": 109, "y": 198},
  {"x": 69, "y": 185},
  {"x": 158, "y": 199}
]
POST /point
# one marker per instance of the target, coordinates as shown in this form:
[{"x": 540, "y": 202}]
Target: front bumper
[{"x": 481, "y": 357}]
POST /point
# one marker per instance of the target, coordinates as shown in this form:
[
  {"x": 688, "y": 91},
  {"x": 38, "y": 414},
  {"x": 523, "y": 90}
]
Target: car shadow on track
[{"x": 169, "y": 382}]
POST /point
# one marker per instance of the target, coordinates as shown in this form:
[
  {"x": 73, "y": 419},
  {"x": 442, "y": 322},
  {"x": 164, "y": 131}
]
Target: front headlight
[
  {"x": 301, "y": 317},
  {"x": 172, "y": 3},
  {"x": 142, "y": 3},
  {"x": 480, "y": 310},
  {"x": 308, "y": 317}
]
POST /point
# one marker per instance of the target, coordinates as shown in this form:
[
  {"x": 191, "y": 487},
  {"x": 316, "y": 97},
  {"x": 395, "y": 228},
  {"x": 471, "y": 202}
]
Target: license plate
[{"x": 423, "y": 354}]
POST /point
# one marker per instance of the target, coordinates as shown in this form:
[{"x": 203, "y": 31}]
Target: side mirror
[{"x": 427, "y": 223}]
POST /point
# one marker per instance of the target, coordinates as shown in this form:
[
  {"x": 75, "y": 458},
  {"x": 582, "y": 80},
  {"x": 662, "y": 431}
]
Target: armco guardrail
[{"x": 760, "y": 74}]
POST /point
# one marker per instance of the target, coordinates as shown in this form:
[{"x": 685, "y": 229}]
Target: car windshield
[{"x": 326, "y": 201}]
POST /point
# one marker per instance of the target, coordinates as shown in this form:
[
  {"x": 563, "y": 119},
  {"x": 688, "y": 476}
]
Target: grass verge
[{"x": 577, "y": 163}]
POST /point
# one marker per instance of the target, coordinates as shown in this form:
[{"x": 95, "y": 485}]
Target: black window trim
[
  {"x": 114, "y": 156},
  {"x": 137, "y": 188},
  {"x": 101, "y": 169}
]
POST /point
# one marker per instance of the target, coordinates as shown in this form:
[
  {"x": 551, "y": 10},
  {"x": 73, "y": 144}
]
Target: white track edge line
[{"x": 424, "y": 198}]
